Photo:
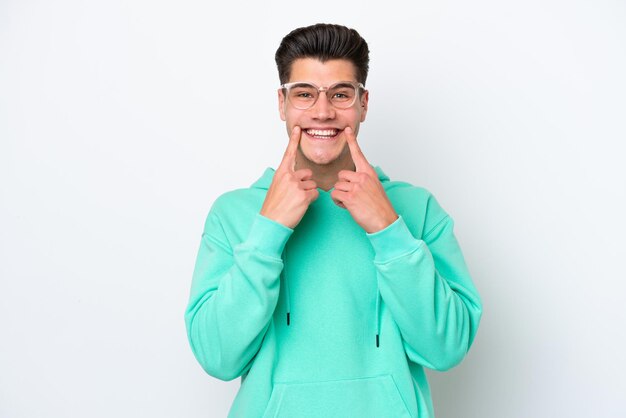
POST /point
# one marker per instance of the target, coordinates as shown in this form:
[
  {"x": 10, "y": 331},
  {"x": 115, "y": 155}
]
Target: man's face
[{"x": 323, "y": 140}]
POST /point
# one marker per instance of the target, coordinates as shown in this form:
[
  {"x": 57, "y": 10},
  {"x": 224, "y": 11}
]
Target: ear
[
  {"x": 281, "y": 104},
  {"x": 364, "y": 102}
]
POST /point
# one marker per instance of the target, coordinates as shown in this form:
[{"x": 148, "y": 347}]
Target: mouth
[{"x": 327, "y": 134}]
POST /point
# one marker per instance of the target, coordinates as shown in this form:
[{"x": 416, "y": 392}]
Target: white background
[{"x": 122, "y": 120}]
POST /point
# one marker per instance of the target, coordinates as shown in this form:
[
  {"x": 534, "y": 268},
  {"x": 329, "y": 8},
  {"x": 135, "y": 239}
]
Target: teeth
[{"x": 322, "y": 132}]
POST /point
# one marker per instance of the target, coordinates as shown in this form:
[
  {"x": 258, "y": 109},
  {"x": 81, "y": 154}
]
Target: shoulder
[
  {"x": 238, "y": 200},
  {"x": 246, "y": 198},
  {"x": 405, "y": 190},
  {"x": 231, "y": 214},
  {"x": 417, "y": 205},
  {"x": 234, "y": 209},
  {"x": 408, "y": 195}
]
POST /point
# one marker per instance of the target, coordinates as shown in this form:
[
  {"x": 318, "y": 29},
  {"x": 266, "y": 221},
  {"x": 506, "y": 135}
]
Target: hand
[
  {"x": 361, "y": 193},
  {"x": 291, "y": 191}
]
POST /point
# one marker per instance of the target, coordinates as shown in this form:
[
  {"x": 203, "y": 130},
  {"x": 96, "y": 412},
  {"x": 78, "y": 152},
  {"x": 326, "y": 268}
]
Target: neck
[{"x": 325, "y": 175}]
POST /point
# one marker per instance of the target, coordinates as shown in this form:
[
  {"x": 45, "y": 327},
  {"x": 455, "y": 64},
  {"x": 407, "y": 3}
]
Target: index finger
[
  {"x": 360, "y": 162},
  {"x": 289, "y": 158}
]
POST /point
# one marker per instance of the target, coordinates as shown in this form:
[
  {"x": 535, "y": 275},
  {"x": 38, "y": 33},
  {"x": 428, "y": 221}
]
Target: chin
[{"x": 321, "y": 158}]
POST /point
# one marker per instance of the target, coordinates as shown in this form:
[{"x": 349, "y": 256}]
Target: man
[{"x": 327, "y": 287}]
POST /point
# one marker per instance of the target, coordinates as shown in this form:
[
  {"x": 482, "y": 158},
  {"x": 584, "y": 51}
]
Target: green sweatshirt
[{"x": 326, "y": 320}]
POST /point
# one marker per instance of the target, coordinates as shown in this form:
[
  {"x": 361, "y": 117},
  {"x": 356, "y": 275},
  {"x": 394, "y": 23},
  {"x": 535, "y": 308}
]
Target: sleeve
[
  {"x": 234, "y": 292},
  {"x": 427, "y": 288}
]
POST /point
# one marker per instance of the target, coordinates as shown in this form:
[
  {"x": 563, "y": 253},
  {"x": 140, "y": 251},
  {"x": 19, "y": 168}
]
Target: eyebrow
[
  {"x": 301, "y": 84},
  {"x": 342, "y": 84}
]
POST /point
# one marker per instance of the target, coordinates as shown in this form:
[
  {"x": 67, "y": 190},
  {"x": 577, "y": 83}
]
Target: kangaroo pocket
[{"x": 373, "y": 397}]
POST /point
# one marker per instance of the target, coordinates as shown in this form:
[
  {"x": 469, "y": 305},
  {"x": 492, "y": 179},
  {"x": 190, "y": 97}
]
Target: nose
[{"x": 323, "y": 109}]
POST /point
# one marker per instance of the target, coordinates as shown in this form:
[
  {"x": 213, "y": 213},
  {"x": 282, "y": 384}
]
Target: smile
[{"x": 322, "y": 133}]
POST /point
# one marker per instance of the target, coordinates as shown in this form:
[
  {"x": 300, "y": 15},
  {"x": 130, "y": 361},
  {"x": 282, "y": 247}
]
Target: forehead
[{"x": 322, "y": 73}]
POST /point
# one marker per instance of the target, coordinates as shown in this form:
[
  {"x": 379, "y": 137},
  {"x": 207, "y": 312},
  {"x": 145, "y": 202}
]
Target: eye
[
  {"x": 302, "y": 93},
  {"x": 342, "y": 94}
]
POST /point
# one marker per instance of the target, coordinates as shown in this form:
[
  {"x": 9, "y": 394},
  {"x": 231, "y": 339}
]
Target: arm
[
  {"x": 428, "y": 290},
  {"x": 234, "y": 293}
]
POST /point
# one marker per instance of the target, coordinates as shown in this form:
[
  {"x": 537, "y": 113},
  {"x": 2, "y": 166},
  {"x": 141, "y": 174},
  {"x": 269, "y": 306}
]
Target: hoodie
[{"x": 327, "y": 320}]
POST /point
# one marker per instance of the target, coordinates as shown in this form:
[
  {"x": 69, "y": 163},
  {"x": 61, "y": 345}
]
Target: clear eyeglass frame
[{"x": 337, "y": 103}]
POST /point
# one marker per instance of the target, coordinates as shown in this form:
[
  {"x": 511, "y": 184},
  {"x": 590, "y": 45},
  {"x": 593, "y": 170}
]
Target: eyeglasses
[{"x": 303, "y": 95}]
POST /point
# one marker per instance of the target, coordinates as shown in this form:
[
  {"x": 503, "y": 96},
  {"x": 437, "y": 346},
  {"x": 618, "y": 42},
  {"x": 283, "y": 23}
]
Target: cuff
[
  {"x": 393, "y": 241},
  {"x": 268, "y": 236}
]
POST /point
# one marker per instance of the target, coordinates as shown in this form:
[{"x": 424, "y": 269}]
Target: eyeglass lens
[{"x": 303, "y": 95}]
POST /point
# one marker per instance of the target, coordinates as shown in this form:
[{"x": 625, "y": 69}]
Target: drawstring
[
  {"x": 286, "y": 282},
  {"x": 377, "y": 316},
  {"x": 288, "y": 299}
]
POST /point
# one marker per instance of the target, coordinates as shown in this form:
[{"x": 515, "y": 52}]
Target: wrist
[
  {"x": 275, "y": 219},
  {"x": 383, "y": 223}
]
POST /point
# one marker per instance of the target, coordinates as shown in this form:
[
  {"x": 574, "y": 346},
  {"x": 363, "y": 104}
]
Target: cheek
[
  {"x": 292, "y": 117},
  {"x": 354, "y": 117},
  {"x": 281, "y": 106}
]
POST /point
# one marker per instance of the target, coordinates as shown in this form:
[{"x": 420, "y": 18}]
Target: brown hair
[{"x": 323, "y": 42}]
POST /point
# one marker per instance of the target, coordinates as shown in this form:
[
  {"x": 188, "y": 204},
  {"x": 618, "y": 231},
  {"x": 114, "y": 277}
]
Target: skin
[
  {"x": 339, "y": 164},
  {"x": 325, "y": 158}
]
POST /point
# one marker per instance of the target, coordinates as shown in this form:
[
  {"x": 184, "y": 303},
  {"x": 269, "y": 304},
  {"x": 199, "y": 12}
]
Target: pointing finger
[
  {"x": 289, "y": 158},
  {"x": 360, "y": 162}
]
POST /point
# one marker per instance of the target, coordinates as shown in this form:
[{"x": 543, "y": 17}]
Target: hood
[{"x": 266, "y": 178}]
